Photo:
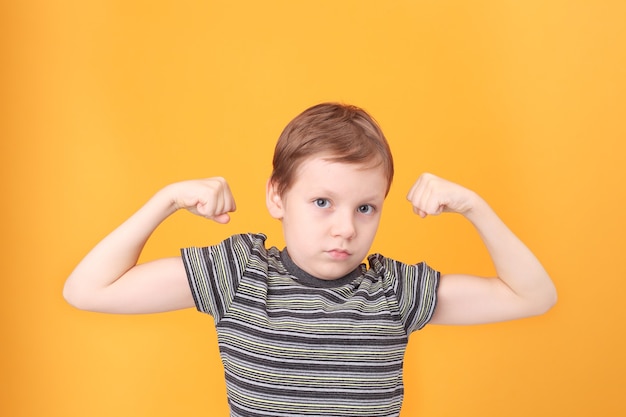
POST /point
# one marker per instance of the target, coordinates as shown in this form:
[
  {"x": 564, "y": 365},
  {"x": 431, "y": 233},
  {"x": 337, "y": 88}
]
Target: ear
[{"x": 274, "y": 201}]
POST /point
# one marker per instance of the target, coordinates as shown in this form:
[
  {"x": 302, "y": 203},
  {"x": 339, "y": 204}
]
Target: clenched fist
[
  {"x": 433, "y": 195},
  {"x": 210, "y": 198}
]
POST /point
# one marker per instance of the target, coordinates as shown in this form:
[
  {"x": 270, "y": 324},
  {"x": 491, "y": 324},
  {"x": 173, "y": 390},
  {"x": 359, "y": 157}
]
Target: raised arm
[
  {"x": 522, "y": 287},
  {"x": 109, "y": 279}
]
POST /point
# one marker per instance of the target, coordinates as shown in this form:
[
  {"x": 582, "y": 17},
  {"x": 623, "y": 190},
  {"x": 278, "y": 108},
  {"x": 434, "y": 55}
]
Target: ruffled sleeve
[
  {"x": 214, "y": 272},
  {"x": 415, "y": 288}
]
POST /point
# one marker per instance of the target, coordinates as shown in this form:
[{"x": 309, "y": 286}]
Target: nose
[{"x": 343, "y": 225}]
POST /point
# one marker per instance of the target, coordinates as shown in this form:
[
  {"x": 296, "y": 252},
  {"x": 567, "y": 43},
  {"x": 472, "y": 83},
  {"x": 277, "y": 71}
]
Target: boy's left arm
[{"x": 522, "y": 287}]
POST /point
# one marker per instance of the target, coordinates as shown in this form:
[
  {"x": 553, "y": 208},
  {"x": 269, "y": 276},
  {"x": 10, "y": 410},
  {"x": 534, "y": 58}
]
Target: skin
[{"x": 329, "y": 216}]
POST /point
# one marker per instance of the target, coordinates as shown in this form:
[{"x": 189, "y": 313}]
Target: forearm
[
  {"x": 514, "y": 263},
  {"x": 118, "y": 252}
]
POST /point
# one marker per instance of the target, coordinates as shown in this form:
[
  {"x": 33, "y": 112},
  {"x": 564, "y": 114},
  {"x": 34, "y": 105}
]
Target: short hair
[{"x": 340, "y": 132}]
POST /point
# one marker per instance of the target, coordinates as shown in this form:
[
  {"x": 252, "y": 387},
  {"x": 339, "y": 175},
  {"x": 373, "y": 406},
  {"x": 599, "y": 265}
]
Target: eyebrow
[{"x": 364, "y": 199}]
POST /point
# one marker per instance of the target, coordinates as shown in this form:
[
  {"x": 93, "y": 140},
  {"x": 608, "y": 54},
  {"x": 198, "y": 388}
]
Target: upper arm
[
  {"x": 156, "y": 286},
  {"x": 467, "y": 299}
]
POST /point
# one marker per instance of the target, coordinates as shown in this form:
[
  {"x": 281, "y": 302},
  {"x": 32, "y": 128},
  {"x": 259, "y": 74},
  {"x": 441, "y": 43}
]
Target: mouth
[{"x": 338, "y": 254}]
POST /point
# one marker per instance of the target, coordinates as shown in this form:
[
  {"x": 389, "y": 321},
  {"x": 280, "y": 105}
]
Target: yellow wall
[{"x": 103, "y": 102}]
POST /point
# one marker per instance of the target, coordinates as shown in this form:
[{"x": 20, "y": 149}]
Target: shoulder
[
  {"x": 237, "y": 249},
  {"x": 394, "y": 269},
  {"x": 413, "y": 286},
  {"x": 247, "y": 239},
  {"x": 241, "y": 241}
]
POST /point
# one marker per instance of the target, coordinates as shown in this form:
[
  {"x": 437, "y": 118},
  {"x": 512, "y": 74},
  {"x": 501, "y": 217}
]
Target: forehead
[
  {"x": 324, "y": 160},
  {"x": 323, "y": 173}
]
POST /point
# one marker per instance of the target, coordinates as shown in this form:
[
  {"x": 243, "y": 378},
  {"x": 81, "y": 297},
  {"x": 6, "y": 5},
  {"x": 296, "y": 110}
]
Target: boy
[{"x": 310, "y": 330}]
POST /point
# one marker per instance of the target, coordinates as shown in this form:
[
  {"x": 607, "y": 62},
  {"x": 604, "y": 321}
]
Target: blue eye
[
  {"x": 366, "y": 209},
  {"x": 321, "y": 202}
]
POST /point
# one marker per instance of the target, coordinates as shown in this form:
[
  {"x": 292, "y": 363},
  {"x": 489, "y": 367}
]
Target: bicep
[
  {"x": 467, "y": 299},
  {"x": 152, "y": 287}
]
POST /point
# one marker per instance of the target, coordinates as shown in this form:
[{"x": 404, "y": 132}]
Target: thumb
[
  {"x": 420, "y": 212},
  {"x": 221, "y": 218}
]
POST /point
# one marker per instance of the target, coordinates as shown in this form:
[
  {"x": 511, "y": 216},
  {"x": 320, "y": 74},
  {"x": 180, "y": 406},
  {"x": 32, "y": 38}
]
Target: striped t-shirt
[{"x": 294, "y": 345}]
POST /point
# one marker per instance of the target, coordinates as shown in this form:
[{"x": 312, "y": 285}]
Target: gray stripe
[{"x": 291, "y": 348}]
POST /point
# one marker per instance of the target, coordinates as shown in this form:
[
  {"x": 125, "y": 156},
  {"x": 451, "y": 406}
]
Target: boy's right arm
[{"x": 109, "y": 279}]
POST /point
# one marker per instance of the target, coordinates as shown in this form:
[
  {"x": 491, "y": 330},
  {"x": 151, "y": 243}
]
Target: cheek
[
  {"x": 303, "y": 221},
  {"x": 370, "y": 225}
]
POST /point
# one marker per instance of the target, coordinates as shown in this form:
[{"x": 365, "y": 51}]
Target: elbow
[
  {"x": 71, "y": 297},
  {"x": 552, "y": 301},
  {"x": 551, "y": 297},
  {"x": 545, "y": 303},
  {"x": 77, "y": 298}
]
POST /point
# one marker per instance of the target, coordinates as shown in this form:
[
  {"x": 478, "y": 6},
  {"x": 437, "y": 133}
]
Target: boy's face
[{"x": 330, "y": 215}]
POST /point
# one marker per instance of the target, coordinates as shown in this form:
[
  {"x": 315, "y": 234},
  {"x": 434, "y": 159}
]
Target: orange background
[{"x": 104, "y": 102}]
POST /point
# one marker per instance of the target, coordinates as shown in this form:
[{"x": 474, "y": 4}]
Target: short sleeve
[
  {"x": 214, "y": 272},
  {"x": 415, "y": 289}
]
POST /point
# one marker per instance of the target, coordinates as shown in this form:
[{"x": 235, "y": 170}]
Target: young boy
[{"x": 310, "y": 330}]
